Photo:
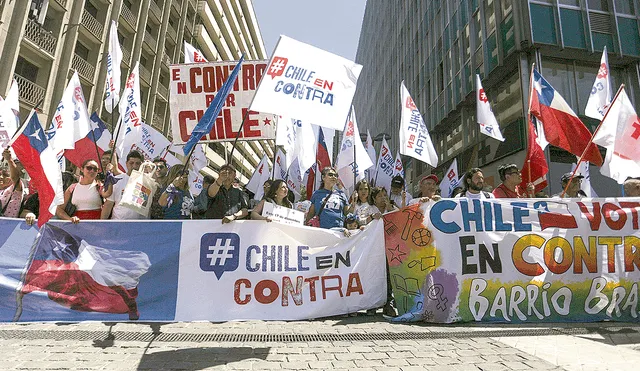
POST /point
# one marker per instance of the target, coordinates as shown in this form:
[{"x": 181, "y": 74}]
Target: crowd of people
[{"x": 89, "y": 195}]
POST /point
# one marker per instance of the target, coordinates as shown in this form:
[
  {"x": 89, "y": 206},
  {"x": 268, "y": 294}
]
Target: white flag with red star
[{"x": 486, "y": 119}]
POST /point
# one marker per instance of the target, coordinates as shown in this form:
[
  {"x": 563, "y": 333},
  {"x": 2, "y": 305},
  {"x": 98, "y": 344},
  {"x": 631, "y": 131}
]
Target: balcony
[
  {"x": 173, "y": 35},
  {"x": 194, "y": 4},
  {"x": 157, "y": 122},
  {"x": 166, "y": 59},
  {"x": 154, "y": 9},
  {"x": 42, "y": 38},
  {"x": 128, "y": 16},
  {"x": 30, "y": 92},
  {"x": 84, "y": 68},
  {"x": 92, "y": 24},
  {"x": 177, "y": 5},
  {"x": 163, "y": 91},
  {"x": 145, "y": 74},
  {"x": 63, "y": 3},
  {"x": 126, "y": 55},
  {"x": 149, "y": 40}
]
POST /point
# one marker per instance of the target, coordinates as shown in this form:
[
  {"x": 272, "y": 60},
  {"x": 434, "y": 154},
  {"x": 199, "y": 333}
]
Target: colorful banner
[
  {"x": 528, "y": 260},
  {"x": 193, "y": 88},
  {"x": 186, "y": 271}
]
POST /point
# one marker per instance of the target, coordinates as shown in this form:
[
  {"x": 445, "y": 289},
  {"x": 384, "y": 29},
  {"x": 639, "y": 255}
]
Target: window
[
  {"x": 628, "y": 29},
  {"x": 625, "y": 7},
  {"x": 572, "y": 28},
  {"x": 598, "y": 5},
  {"x": 544, "y": 24},
  {"x": 26, "y": 69},
  {"x": 91, "y": 9},
  {"x": 82, "y": 51}
]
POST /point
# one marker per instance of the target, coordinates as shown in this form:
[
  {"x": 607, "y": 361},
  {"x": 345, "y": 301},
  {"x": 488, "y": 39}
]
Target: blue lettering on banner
[
  {"x": 219, "y": 252},
  {"x": 481, "y": 216}
]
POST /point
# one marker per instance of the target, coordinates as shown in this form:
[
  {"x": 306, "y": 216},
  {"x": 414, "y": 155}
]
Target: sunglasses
[
  {"x": 161, "y": 166},
  {"x": 333, "y": 175},
  {"x": 513, "y": 172},
  {"x": 91, "y": 168}
]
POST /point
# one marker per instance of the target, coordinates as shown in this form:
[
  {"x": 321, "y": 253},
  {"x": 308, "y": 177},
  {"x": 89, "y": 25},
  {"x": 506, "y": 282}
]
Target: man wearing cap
[
  {"x": 428, "y": 190},
  {"x": 574, "y": 190},
  {"x": 399, "y": 196},
  {"x": 632, "y": 187},
  {"x": 511, "y": 179}
]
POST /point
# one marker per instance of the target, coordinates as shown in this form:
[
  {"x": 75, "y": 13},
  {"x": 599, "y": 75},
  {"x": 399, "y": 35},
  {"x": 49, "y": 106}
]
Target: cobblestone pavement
[{"x": 363, "y": 343}]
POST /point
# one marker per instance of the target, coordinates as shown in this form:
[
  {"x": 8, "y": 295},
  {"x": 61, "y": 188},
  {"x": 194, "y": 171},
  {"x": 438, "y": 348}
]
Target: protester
[
  {"x": 86, "y": 196},
  {"x": 176, "y": 200},
  {"x": 380, "y": 201},
  {"x": 399, "y": 196},
  {"x": 265, "y": 187},
  {"x": 11, "y": 193},
  {"x": 473, "y": 182},
  {"x": 510, "y": 187},
  {"x": 632, "y": 187},
  {"x": 277, "y": 195},
  {"x": 226, "y": 202},
  {"x": 31, "y": 205},
  {"x": 573, "y": 191},
  {"x": 160, "y": 176},
  {"x": 428, "y": 190},
  {"x": 201, "y": 201},
  {"x": 112, "y": 208},
  {"x": 328, "y": 203},
  {"x": 361, "y": 207}
]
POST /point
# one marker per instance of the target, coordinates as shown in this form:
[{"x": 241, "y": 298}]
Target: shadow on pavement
[{"x": 199, "y": 358}]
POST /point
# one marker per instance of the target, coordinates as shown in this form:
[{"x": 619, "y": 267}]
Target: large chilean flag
[
  {"x": 91, "y": 146},
  {"x": 562, "y": 127},
  {"x": 39, "y": 159}
]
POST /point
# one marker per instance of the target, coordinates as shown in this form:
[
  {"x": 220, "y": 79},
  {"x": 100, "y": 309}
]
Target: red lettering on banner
[
  {"x": 412, "y": 139},
  {"x": 193, "y": 73},
  {"x": 183, "y": 117},
  {"x": 271, "y": 287},
  {"x": 182, "y": 87},
  {"x": 236, "y": 291},
  {"x": 594, "y": 218},
  {"x": 231, "y": 100},
  {"x": 636, "y": 132},
  {"x": 608, "y": 210},
  {"x": 633, "y": 208},
  {"x": 249, "y": 124},
  {"x": 175, "y": 74},
  {"x": 614, "y": 216},
  {"x": 248, "y": 77}
]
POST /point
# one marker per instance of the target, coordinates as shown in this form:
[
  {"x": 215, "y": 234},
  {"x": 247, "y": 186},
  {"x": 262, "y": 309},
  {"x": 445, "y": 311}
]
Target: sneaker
[
  {"x": 389, "y": 311},
  {"x": 371, "y": 312}
]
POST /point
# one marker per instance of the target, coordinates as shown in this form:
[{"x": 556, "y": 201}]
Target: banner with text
[
  {"x": 193, "y": 87},
  {"x": 186, "y": 271},
  {"x": 528, "y": 260}
]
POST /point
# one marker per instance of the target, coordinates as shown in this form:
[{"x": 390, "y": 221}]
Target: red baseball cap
[{"x": 433, "y": 177}]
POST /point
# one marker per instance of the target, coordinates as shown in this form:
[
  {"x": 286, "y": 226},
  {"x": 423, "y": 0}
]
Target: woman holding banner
[
  {"x": 176, "y": 200},
  {"x": 277, "y": 195},
  {"x": 329, "y": 205}
]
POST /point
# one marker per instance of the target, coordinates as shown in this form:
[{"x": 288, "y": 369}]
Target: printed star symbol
[
  {"x": 396, "y": 254},
  {"x": 267, "y": 121},
  {"x": 60, "y": 246},
  {"x": 36, "y": 134}
]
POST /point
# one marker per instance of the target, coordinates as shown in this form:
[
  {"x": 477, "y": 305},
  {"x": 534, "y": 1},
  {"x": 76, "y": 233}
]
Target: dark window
[
  {"x": 544, "y": 24},
  {"x": 599, "y": 5},
  {"x": 91, "y": 9},
  {"x": 628, "y": 28},
  {"x": 82, "y": 51},
  {"x": 625, "y": 7},
  {"x": 572, "y": 29},
  {"x": 26, "y": 69}
]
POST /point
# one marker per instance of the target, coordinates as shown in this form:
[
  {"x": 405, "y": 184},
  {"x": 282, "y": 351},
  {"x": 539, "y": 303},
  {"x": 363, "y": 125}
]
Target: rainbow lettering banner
[{"x": 529, "y": 260}]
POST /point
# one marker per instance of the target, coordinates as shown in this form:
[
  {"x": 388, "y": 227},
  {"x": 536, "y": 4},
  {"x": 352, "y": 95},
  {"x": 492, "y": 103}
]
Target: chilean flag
[
  {"x": 562, "y": 127},
  {"x": 38, "y": 158},
  {"x": 83, "y": 277},
  {"x": 91, "y": 146},
  {"x": 322, "y": 158}
]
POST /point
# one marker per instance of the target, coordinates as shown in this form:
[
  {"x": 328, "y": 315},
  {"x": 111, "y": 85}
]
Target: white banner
[
  {"x": 193, "y": 87},
  {"x": 307, "y": 83},
  {"x": 384, "y": 168},
  {"x": 415, "y": 140},
  {"x": 275, "y": 271},
  {"x": 283, "y": 214},
  {"x": 151, "y": 143},
  {"x": 130, "y": 130}
]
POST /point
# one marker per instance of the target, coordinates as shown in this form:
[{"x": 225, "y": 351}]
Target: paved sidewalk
[{"x": 363, "y": 343}]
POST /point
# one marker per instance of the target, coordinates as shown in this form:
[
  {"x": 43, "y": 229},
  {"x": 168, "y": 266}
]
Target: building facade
[
  {"x": 437, "y": 47},
  {"x": 43, "y": 41}
]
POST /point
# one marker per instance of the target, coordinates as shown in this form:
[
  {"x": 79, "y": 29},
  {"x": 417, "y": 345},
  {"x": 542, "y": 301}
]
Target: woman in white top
[
  {"x": 277, "y": 195},
  {"x": 380, "y": 201},
  {"x": 86, "y": 195},
  {"x": 361, "y": 207}
]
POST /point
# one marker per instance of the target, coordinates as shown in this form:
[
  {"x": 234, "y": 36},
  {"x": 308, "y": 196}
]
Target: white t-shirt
[
  {"x": 397, "y": 199},
  {"x": 86, "y": 196},
  {"x": 480, "y": 195},
  {"x": 364, "y": 211},
  {"x": 121, "y": 212}
]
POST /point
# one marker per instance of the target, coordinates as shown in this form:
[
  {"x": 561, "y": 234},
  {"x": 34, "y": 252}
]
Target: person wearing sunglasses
[
  {"x": 86, "y": 196},
  {"x": 510, "y": 187},
  {"x": 329, "y": 203}
]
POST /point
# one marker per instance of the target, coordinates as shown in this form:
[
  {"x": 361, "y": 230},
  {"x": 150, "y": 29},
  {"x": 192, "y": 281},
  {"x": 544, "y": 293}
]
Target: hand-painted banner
[
  {"x": 527, "y": 260},
  {"x": 193, "y": 87},
  {"x": 185, "y": 271}
]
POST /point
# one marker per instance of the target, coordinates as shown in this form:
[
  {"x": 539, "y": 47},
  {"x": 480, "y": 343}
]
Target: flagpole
[
  {"x": 244, "y": 118},
  {"x": 93, "y": 135},
  {"x": 275, "y": 154},
  {"x": 533, "y": 65},
  {"x": 591, "y": 141},
  {"x": 20, "y": 129}
]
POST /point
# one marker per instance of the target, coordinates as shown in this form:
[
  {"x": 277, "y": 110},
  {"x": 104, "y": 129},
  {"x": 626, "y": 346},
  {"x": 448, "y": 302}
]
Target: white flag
[
  {"x": 305, "y": 144},
  {"x": 130, "y": 123},
  {"x": 619, "y": 133},
  {"x": 601, "y": 94},
  {"x": 368, "y": 145},
  {"x": 280, "y": 166},
  {"x": 195, "y": 182},
  {"x": 484, "y": 115},
  {"x": 114, "y": 59},
  {"x": 193, "y": 55},
  {"x": 415, "y": 140},
  {"x": 384, "y": 168},
  {"x": 151, "y": 144},
  {"x": 585, "y": 186},
  {"x": 9, "y": 115},
  {"x": 285, "y": 136},
  {"x": 348, "y": 167},
  {"x": 307, "y": 83},
  {"x": 260, "y": 175},
  {"x": 71, "y": 121},
  {"x": 450, "y": 180},
  {"x": 294, "y": 179}
]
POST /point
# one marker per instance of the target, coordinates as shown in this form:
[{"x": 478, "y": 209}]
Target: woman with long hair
[
  {"x": 176, "y": 200},
  {"x": 277, "y": 195},
  {"x": 361, "y": 207},
  {"x": 329, "y": 203},
  {"x": 87, "y": 195},
  {"x": 380, "y": 201}
]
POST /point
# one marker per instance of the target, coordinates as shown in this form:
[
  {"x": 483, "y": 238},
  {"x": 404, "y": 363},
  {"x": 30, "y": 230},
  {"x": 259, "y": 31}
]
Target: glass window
[
  {"x": 628, "y": 29},
  {"x": 600, "y": 40},
  {"x": 572, "y": 29},
  {"x": 507, "y": 34},
  {"x": 585, "y": 76},
  {"x": 506, "y": 6},
  {"x": 544, "y": 24},
  {"x": 560, "y": 76},
  {"x": 489, "y": 16},
  {"x": 625, "y": 7},
  {"x": 570, "y": 2},
  {"x": 598, "y": 5},
  {"x": 82, "y": 51},
  {"x": 492, "y": 52},
  {"x": 26, "y": 69}
]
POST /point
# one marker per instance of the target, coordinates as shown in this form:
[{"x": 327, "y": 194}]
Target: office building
[{"x": 437, "y": 47}]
